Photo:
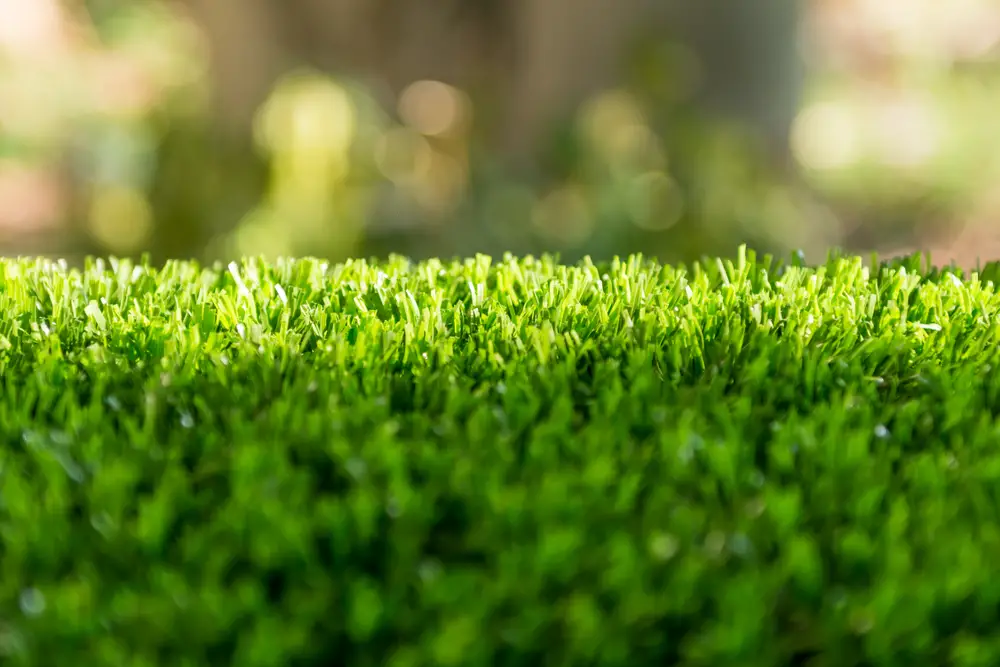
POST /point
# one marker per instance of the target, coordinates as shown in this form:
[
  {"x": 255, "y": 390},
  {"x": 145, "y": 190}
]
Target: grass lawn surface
[{"x": 738, "y": 463}]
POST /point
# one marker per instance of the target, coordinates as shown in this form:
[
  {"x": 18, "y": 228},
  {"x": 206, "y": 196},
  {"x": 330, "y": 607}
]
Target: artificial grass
[{"x": 744, "y": 463}]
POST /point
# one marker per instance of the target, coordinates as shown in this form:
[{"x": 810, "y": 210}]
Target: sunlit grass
[{"x": 523, "y": 462}]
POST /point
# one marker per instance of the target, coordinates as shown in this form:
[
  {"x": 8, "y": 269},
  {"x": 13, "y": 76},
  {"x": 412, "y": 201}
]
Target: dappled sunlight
[
  {"x": 615, "y": 127},
  {"x": 96, "y": 102},
  {"x": 902, "y": 113},
  {"x": 897, "y": 132},
  {"x": 306, "y": 129},
  {"x": 75, "y": 108}
]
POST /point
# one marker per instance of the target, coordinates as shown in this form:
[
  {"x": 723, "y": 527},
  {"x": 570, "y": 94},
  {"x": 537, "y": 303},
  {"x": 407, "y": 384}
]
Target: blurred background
[{"x": 336, "y": 128}]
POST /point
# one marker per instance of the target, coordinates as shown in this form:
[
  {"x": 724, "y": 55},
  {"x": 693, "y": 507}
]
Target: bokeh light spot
[
  {"x": 826, "y": 136},
  {"x": 612, "y": 122},
  {"x": 306, "y": 112},
  {"x": 403, "y": 155},
  {"x": 433, "y": 108},
  {"x": 120, "y": 218},
  {"x": 655, "y": 201},
  {"x": 564, "y": 216}
]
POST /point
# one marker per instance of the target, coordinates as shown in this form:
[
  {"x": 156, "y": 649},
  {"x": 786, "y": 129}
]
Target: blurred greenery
[{"x": 107, "y": 146}]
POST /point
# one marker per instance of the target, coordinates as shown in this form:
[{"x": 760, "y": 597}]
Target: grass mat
[{"x": 745, "y": 462}]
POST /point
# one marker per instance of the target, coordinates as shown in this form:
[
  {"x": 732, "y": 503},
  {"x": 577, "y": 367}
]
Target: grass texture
[{"x": 740, "y": 463}]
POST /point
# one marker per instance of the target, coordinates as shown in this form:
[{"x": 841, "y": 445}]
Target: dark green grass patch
[{"x": 460, "y": 464}]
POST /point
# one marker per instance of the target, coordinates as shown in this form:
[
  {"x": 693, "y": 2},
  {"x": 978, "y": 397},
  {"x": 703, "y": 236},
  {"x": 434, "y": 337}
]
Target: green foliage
[{"x": 524, "y": 463}]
